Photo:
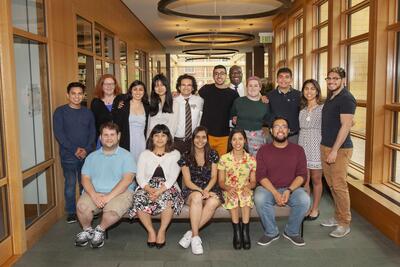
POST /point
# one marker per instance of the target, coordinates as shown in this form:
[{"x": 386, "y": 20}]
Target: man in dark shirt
[
  {"x": 281, "y": 172},
  {"x": 75, "y": 131},
  {"x": 337, "y": 148},
  {"x": 284, "y": 101},
  {"x": 218, "y": 100}
]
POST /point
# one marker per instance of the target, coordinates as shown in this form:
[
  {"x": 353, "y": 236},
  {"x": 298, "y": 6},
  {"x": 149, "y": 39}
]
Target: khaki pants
[
  {"x": 335, "y": 175},
  {"x": 220, "y": 144}
]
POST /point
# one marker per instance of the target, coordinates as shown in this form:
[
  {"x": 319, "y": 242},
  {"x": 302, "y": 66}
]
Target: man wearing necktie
[{"x": 235, "y": 77}]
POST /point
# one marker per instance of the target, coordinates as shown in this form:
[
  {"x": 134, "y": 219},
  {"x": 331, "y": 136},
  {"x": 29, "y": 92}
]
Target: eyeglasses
[
  {"x": 277, "y": 127},
  {"x": 332, "y": 79},
  {"x": 219, "y": 73},
  {"x": 109, "y": 84}
]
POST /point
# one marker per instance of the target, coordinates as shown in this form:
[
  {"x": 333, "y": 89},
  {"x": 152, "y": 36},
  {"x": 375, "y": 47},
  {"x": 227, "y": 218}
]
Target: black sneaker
[
  {"x": 266, "y": 240},
  {"x": 83, "y": 237},
  {"x": 98, "y": 238},
  {"x": 295, "y": 239},
  {"x": 71, "y": 218}
]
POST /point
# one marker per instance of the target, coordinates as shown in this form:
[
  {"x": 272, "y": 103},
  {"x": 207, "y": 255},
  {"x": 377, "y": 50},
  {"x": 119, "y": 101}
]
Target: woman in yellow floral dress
[{"x": 237, "y": 179}]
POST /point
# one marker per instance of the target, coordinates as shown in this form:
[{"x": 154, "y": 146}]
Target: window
[
  {"x": 320, "y": 46},
  {"x": 84, "y": 34},
  {"x": 298, "y": 52},
  {"x": 356, "y": 47},
  {"x": 4, "y": 215},
  {"x": 281, "y": 46},
  {"x": 140, "y": 66},
  {"x": 123, "y": 61},
  {"x": 29, "y": 16}
]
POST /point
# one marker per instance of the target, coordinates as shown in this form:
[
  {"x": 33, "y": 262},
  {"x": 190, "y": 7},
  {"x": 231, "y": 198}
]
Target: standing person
[
  {"x": 190, "y": 110},
  {"x": 163, "y": 109},
  {"x": 249, "y": 113},
  {"x": 310, "y": 140},
  {"x": 107, "y": 181},
  {"x": 218, "y": 100},
  {"x": 106, "y": 90},
  {"x": 202, "y": 194},
  {"x": 75, "y": 132},
  {"x": 237, "y": 179},
  {"x": 235, "y": 77},
  {"x": 158, "y": 192},
  {"x": 281, "y": 172},
  {"x": 284, "y": 101},
  {"x": 132, "y": 118},
  {"x": 337, "y": 148}
]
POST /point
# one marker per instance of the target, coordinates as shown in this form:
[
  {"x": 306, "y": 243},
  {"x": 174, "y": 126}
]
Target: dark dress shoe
[
  {"x": 160, "y": 245},
  {"x": 151, "y": 244},
  {"x": 311, "y": 218},
  {"x": 246, "y": 236}
]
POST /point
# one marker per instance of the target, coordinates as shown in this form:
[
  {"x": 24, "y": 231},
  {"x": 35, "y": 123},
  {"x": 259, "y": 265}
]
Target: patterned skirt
[
  {"x": 255, "y": 140},
  {"x": 142, "y": 202}
]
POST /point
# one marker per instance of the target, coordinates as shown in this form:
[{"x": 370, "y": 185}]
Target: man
[
  {"x": 337, "y": 148},
  {"x": 281, "y": 171},
  {"x": 74, "y": 129},
  {"x": 190, "y": 110},
  {"x": 235, "y": 77},
  {"x": 284, "y": 101},
  {"x": 107, "y": 181},
  {"x": 218, "y": 100}
]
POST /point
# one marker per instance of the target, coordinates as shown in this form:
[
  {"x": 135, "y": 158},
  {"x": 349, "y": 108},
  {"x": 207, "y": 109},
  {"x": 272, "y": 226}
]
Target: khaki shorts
[{"x": 119, "y": 204}]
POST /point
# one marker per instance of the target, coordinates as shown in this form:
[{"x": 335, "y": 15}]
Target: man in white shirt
[
  {"x": 236, "y": 76},
  {"x": 190, "y": 111}
]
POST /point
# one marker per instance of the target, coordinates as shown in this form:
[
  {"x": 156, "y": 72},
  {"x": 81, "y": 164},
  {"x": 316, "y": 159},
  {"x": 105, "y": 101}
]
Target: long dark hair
[
  {"x": 192, "y": 151},
  {"x": 155, "y": 98},
  {"x": 145, "y": 98},
  {"x": 243, "y": 133},
  {"x": 160, "y": 128},
  {"x": 303, "y": 102}
]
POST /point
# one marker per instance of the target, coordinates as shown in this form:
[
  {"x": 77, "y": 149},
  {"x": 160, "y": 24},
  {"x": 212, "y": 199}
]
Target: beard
[{"x": 280, "y": 139}]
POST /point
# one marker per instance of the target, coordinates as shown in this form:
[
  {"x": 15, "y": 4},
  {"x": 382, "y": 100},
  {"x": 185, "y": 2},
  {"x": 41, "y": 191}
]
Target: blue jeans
[
  {"x": 299, "y": 202},
  {"x": 72, "y": 174}
]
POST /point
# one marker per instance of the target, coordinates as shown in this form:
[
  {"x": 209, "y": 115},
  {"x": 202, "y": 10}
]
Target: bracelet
[{"x": 290, "y": 190}]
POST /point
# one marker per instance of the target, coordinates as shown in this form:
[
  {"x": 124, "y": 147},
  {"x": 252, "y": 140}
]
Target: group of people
[{"x": 215, "y": 141}]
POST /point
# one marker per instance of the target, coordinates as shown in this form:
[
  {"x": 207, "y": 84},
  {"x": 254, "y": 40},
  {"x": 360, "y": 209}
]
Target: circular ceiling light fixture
[
  {"x": 284, "y": 4},
  {"x": 215, "y": 37},
  {"x": 210, "y": 51},
  {"x": 205, "y": 58}
]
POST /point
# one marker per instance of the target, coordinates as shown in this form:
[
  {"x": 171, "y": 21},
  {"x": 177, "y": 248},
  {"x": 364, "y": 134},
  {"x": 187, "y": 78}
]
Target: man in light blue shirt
[{"x": 107, "y": 177}]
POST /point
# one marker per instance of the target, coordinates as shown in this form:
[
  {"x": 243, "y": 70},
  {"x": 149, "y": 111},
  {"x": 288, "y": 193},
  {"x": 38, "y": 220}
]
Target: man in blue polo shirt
[{"x": 107, "y": 177}]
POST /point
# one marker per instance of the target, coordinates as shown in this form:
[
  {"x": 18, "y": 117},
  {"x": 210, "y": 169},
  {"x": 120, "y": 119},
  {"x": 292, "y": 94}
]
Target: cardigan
[
  {"x": 101, "y": 113},
  {"x": 121, "y": 118},
  {"x": 148, "y": 162}
]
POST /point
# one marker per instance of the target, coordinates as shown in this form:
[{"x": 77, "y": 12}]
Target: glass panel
[
  {"x": 4, "y": 215},
  {"x": 396, "y": 128},
  {"x": 99, "y": 69},
  {"x": 33, "y": 102},
  {"x": 397, "y": 80},
  {"x": 298, "y": 73},
  {"x": 323, "y": 36},
  {"x": 299, "y": 25},
  {"x": 359, "y": 22},
  {"x": 323, "y": 12},
  {"x": 123, "y": 57},
  {"x": 266, "y": 68},
  {"x": 322, "y": 71},
  {"x": 108, "y": 46},
  {"x": 360, "y": 120},
  {"x": 354, "y": 2},
  {"x": 97, "y": 42},
  {"x": 86, "y": 76},
  {"x": 28, "y": 15},
  {"x": 395, "y": 166},
  {"x": 2, "y": 147},
  {"x": 298, "y": 46},
  {"x": 38, "y": 195},
  {"x": 358, "y": 150},
  {"x": 358, "y": 70},
  {"x": 84, "y": 34},
  {"x": 108, "y": 68}
]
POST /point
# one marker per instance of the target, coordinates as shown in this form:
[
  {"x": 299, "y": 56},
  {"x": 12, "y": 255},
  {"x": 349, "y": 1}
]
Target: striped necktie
[{"x": 188, "y": 120}]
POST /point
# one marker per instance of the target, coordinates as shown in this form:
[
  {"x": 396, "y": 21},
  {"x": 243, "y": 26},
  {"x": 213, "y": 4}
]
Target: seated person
[
  {"x": 202, "y": 193},
  {"x": 107, "y": 182},
  {"x": 281, "y": 171},
  {"x": 158, "y": 192}
]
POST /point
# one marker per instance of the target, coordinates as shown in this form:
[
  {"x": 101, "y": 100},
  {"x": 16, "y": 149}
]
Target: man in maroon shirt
[{"x": 281, "y": 172}]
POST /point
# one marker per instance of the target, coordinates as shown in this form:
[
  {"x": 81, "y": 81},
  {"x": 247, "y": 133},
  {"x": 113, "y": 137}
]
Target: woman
[
  {"x": 237, "y": 179},
  {"x": 158, "y": 191},
  {"x": 310, "y": 139},
  {"x": 202, "y": 194},
  {"x": 249, "y": 113},
  {"x": 106, "y": 90},
  {"x": 131, "y": 118},
  {"x": 163, "y": 109}
]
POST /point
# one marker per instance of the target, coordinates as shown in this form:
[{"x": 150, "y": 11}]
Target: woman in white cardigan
[{"x": 158, "y": 191}]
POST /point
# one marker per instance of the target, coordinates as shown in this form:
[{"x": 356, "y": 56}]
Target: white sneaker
[
  {"x": 340, "y": 231},
  {"x": 186, "y": 239},
  {"x": 197, "y": 248},
  {"x": 329, "y": 222}
]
